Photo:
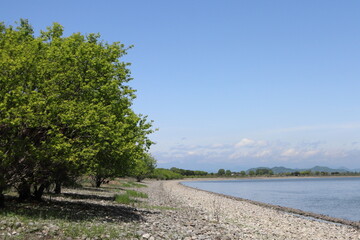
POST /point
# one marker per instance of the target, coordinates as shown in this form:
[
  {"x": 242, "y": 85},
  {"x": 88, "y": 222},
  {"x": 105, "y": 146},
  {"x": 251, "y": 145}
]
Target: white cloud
[
  {"x": 263, "y": 153},
  {"x": 290, "y": 153},
  {"x": 256, "y": 152},
  {"x": 246, "y": 142},
  {"x": 311, "y": 153}
]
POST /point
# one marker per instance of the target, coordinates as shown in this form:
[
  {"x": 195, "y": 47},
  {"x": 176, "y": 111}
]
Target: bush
[{"x": 165, "y": 174}]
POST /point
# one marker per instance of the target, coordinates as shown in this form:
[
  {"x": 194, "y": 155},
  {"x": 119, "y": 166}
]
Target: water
[{"x": 335, "y": 197}]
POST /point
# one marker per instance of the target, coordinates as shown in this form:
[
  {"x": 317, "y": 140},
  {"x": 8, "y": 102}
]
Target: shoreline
[
  {"x": 299, "y": 212},
  {"x": 245, "y": 219},
  {"x": 167, "y": 210},
  {"x": 261, "y": 177}
]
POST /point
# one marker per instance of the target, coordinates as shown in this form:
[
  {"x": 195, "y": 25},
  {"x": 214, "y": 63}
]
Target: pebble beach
[
  {"x": 196, "y": 214},
  {"x": 170, "y": 210}
]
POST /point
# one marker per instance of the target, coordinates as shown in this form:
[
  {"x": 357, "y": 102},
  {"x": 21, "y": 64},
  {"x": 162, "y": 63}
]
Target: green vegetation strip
[
  {"x": 136, "y": 194},
  {"x": 133, "y": 185},
  {"x": 20, "y": 227},
  {"x": 127, "y": 197}
]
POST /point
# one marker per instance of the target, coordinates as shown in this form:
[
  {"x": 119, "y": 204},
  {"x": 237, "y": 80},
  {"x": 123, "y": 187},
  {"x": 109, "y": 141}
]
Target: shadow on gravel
[
  {"x": 113, "y": 188},
  {"x": 72, "y": 211},
  {"x": 87, "y": 196},
  {"x": 93, "y": 189}
]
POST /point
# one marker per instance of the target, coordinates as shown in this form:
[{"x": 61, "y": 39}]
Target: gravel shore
[
  {"x": 186, "y": 213},
  {"x": 171, "y": 211}
]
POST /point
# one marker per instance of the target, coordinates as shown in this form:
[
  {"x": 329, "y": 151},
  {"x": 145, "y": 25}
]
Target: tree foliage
[
  {"x": 65, "y": 109},
  {"x": 144, "y": 167},
  {"x": 187, "y": 173},
  {"x": 165, "y": 174},
  {"x": 263, "y": 171}
]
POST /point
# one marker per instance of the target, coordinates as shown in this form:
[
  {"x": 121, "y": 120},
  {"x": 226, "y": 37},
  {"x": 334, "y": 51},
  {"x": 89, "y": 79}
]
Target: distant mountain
[
  {"x": 326, "y": 169},
  {"x": 254, "y": 169},
  {"x": 278, "y": 170}
]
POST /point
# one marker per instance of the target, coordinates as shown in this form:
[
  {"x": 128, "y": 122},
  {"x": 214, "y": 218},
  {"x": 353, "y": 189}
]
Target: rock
[
  {"x": 18, "y": 224},
  {"x": 146, "y": 236},
  {"x": 140, "y": 232}
]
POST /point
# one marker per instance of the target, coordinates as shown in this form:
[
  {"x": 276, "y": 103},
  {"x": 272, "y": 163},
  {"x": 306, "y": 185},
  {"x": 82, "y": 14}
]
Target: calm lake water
[{"x": 336, "y": 197}]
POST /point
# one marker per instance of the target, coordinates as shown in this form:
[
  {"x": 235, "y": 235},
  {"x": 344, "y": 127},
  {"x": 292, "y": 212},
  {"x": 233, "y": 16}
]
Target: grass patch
[
  {"x": 24, "y": 228},
  {"x": 124, "y": 199},
  {"x": 94, "y": 230},
  {"x": 133, "y": 185},
  {"x": 127, "y": 197},
  {"x": 136, "y": 194}
]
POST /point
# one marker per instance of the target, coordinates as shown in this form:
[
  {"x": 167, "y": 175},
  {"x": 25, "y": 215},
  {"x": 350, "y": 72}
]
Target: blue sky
[{"x": 232, "y": 84}]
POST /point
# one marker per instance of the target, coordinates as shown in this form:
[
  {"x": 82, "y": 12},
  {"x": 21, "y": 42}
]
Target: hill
[{"x": 279, "y": 170}]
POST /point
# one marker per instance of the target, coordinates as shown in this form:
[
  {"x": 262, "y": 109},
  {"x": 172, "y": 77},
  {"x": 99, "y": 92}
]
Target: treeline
[
  {"x": 65, "y": 111},
  {"x": 178, "y": 173},
  {"x": 257, "y": 172},
  {"x": 318, "y": 173},
  {"x": 268, "y": 172},
  {"x": 185, "y": 172},
  {"x": 165, "y": 174}
]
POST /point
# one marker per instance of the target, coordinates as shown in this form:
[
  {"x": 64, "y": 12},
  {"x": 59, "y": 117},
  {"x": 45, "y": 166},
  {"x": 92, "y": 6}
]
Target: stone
[
  {"x": 146, "y": 236},
  {"x": 18, "y": 224}
]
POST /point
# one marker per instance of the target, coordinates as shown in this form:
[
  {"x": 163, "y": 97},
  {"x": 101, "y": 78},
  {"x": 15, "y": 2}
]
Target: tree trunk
[
  {"x": 39, "y": 192},
  {"x": 57, "y": 189},
  {"x": 24, "y": 191},
  {"x": 2, "y": 198},
  {"x": 98, "y": 182}
]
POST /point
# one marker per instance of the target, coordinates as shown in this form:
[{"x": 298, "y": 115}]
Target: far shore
[{"x": 262, "y": 177}]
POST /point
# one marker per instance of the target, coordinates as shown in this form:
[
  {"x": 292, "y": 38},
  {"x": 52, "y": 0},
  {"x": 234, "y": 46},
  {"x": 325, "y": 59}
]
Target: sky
[{"x": 231, "y": 84}]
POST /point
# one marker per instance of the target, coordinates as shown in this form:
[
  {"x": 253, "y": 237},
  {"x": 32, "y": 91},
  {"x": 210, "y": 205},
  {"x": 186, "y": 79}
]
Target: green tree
[
  {"x": 200, "y": 173},
  {"x": 65, "y": 109},
  {"x": 165, "y": 174},
  {"x": 305, "y": 173},
  {"x": 185, "y": 172},
  {"x": 145, "y": 166},
  {"x": 221, "y": 172},
  {"x": 228, "y": 173},
  {"x": 264, "y": 171}
]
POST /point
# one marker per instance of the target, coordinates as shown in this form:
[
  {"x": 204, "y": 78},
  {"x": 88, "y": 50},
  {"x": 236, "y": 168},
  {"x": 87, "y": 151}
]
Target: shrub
[{"x": 165, "y": 174}]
